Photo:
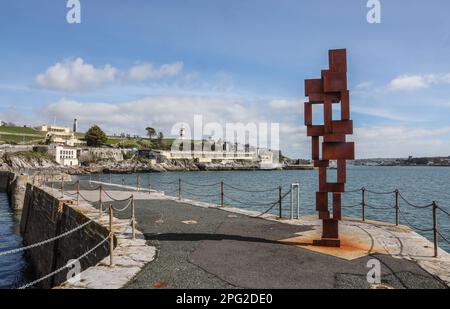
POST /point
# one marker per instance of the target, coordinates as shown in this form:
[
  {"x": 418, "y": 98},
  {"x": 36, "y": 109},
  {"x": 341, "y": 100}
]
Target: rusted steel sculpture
[{"x": 328, "y": 90}]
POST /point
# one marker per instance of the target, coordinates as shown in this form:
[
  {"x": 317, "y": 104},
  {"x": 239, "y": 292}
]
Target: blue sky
[{"x": 131, "y": 64}]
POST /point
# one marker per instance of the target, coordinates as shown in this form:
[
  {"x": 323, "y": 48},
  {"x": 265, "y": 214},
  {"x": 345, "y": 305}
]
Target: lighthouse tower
[{"x": 182, "y": 132}]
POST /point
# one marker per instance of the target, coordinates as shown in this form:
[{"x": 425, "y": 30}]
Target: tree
[
  {"x": 95, "y": 136},
  {"x": 150, "y": 132}
]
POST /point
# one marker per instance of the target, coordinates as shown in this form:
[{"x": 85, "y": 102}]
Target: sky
[{"x": 138, "y": 63}]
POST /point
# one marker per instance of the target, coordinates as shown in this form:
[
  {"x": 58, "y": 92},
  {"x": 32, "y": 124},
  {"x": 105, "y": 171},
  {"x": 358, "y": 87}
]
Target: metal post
[
  {"x": 221, "y": 194},
  {"x": 133, "y": 219},
  {"x": 111, "y": 236},
  {"x": 179, "y": 189},
  {"x": 123, "y": 181},
  {"x": 100, "y": 203},
  {"x": 435, "y": 230},
  {"x": 363, "y": 203},
  {"x": 397, "y": 208},
  {"x": 298, "y": 201},
  {"x": 78, "y": 192},
  {"x": 149, "y": 185},
  {"x": 292, "y": 202},
  {"x": 137, "y": 182},
  {"x": 53, "y": 180},
  {"x": 280, "y": 202},
  {"x": 62, "y": 186}
]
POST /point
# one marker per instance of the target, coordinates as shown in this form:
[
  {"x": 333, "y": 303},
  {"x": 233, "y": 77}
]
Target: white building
[
  {"x": 65, "y": 156},
  {"x": 60, "y": 135}
]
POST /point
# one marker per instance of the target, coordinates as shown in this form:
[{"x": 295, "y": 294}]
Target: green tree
[
  {"x": 95, "y": 136},
  {"x": 150, "y": 132}
]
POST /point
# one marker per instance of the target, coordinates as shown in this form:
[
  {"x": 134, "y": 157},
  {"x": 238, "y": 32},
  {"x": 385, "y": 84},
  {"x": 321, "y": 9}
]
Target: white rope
[
  {"x": 64, "y": 267},
  {"x": 46, "y": 241}
]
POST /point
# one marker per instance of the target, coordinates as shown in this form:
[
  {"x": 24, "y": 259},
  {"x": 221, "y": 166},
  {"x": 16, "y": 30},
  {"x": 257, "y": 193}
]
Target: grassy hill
[{"x": 16, "y": 135}]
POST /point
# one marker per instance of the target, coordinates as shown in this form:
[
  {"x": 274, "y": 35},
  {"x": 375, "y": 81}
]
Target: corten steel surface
[{"x": 330, "y": 89}]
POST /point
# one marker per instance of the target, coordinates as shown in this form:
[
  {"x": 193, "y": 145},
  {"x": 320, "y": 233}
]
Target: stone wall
[{"x": 45, "y": 216}]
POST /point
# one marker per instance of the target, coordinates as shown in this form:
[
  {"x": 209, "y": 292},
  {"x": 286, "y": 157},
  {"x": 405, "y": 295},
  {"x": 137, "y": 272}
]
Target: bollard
[
  {"x": 435, "y": 230},
  {"x": 111, "y": 236},
  {"x": 179, "y": 189},
  {"x": 280, "y": 202},
  {"x": 100, "y": 203},
  {"x": 78, "y": 192},
  {"x": 397, "y": 208},
  {"x": 221, "y": 194},
  {"x": 363, "y": 203},
  {"x": 133, "y": 219}
]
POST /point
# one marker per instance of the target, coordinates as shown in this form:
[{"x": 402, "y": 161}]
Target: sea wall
[
  {"x": 45, "y": 216},
  {"x": 15, "y": 186}
]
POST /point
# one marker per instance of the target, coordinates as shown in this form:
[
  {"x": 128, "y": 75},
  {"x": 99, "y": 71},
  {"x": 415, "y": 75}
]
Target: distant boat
[{"x": 270, "y": 166}]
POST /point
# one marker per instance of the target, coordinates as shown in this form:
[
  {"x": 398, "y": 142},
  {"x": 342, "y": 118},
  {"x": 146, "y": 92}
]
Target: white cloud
[
  {"x": 399, "y": 141},
  {"x": 284, "y": 104},
  {"x": 408, "y": 82},
  {"x": 415, "y": 82},
  {"x": 146, "y": 71},
  {"x": 75, "y": 75}
]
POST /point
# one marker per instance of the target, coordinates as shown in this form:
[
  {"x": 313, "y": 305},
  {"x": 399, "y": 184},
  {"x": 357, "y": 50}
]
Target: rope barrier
[
  {"x": 351, "y": 206},
  {"x": 443, "y": 237},
  {"x": 412, "y": 205},
  {"x": 412, "y": 225},
  {"x": 379, "y": 193},
  {"x": 273, "y": 206},
  {"x": 201, "y": 195},
  {"x": 114, "y": 199},
  {"x": 379, "y": 208},
  {"x": 201, "y": 185},
  {"x": 124, "y": 208},
  {"x": 65, "y": 266},
  {"x": 249, "y": 203},
  {"x": 13, "y": 251},
  {"x": 444, "y": 211},
  {"x": 249, "y": 191}
]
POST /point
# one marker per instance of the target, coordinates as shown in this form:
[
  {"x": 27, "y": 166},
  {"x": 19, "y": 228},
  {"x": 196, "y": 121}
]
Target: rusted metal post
[
  {"x": 397, "y": 208},
  {"x": 111, "y": 236},
  {"x": 221, "y": 194},
  {"x": 78, "y": 192},
  {"x": 149, "y": 185},
  {"x": 179, "y": 189},
  {"x": 133, "y": 219},
  {"x": 62, "y": 186},
  {"x": 435, "y": 230},
  {"x": 100, "y": 202},
  {"x": 363, "y": 203},
  {"x": 280, "y": 202}
]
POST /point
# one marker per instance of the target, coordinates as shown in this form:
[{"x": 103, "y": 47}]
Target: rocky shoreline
[{"x": 123, "y": 167}]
